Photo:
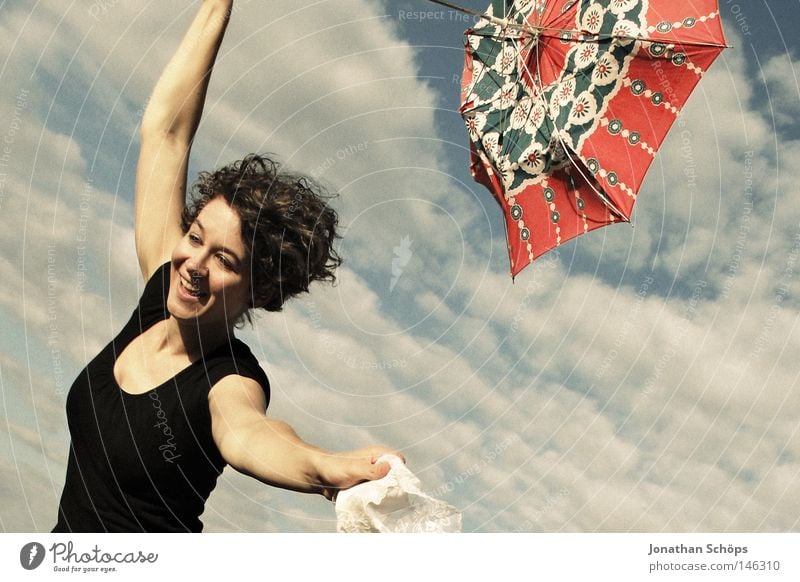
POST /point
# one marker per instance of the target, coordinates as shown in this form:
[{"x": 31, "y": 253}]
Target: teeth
[{"x": 193, "y": 289}]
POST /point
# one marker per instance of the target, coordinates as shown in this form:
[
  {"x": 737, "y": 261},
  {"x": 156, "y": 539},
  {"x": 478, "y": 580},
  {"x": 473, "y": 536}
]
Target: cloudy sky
[{"x": 640, "y": 378}]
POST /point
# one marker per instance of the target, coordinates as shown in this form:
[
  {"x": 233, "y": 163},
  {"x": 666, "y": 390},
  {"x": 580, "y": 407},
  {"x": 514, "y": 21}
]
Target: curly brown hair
[{"x": 287, "y": 226}]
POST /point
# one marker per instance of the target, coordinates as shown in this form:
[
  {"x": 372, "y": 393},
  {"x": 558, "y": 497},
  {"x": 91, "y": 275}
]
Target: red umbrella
[{"x": 568, "y": 101}]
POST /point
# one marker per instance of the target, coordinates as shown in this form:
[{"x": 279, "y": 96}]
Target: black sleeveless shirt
[{"x": 145, "y": 462}]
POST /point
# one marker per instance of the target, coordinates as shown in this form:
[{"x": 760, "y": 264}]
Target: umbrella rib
[
  {"x": 603, "y": 198},
  {"x": 543, "y": 30},
  {"x": 612, "y": 37},
  {"x": 524, "y": 65},
  {"x": 537, "y": 79},
  {"x": 502, "y": 22}
]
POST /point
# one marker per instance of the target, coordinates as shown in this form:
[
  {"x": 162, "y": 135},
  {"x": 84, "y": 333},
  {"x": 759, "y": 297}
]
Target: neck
[{"x": 193, "y": 340}]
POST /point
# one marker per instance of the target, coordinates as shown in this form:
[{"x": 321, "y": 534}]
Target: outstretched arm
[
  {"x": 271, "y": 451},
  {"x": 168, "y": 127}
]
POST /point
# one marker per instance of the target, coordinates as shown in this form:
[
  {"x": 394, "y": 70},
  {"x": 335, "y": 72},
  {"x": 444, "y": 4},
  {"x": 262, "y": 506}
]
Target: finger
[
  {"x": 379, "y": 470},
  {"x": 378, "y": 451},
  {"x": 330, "y": 493}
]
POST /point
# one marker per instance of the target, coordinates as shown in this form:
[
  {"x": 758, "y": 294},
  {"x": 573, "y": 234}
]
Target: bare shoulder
[{"x": 237, "y": 392}]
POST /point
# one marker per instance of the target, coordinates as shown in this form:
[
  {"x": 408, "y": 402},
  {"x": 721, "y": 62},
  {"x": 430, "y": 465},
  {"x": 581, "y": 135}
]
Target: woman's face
[{"x": 210, "y": 278}]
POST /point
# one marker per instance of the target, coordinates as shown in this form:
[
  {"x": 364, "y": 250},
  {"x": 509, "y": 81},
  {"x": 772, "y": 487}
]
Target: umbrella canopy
[{"x": 568, "y": 101}]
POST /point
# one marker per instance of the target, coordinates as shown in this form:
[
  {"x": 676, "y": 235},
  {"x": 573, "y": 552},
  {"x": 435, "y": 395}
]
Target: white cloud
[{"x": 780, "y": 77}]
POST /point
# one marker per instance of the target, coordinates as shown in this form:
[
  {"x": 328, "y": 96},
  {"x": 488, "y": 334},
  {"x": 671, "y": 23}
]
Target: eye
[
  {"x": 224, "y": 261},
  {"x": 194, "y": 239}
]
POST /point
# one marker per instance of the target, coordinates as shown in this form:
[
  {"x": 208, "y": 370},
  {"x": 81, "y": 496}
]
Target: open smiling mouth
[{"x": 191, "y": 289}]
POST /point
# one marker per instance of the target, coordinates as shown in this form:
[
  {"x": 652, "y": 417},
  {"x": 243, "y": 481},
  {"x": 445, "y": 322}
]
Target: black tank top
[{"x": 145, "y": 462}]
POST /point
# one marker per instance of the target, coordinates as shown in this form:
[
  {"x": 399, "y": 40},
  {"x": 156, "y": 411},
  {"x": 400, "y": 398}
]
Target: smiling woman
[
  {"x": 285, "y": 219},
  {"x": 157, "y": 415}
]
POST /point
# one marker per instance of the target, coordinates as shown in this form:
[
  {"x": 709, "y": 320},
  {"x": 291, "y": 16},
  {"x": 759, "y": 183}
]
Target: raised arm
[
  {"x": 271, "y": 451},
  {"x": 168, "y": 127}
]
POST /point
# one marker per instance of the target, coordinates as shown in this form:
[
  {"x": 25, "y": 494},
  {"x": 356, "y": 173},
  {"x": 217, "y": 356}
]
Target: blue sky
[{"x": 638, "y": 379}]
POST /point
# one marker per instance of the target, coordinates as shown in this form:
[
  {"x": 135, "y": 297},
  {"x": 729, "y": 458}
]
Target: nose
[{"x": 196, "y": 268}]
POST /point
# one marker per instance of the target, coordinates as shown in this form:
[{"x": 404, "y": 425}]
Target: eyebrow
[{"x": 224, "y": 248}]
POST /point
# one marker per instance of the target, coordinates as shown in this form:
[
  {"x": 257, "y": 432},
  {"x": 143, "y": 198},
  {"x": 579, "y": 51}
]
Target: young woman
[{"x": 175, "y": 396}]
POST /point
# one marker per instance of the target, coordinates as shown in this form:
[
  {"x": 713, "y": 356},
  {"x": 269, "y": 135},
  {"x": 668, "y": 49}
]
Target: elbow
[
  {"x": 271, "y": 453},
  {"x": 235, "y": 452}
]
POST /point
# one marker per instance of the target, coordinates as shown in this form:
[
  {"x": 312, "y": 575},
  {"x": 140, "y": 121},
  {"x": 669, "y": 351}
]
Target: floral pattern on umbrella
[{"x": 568, "y": 101}]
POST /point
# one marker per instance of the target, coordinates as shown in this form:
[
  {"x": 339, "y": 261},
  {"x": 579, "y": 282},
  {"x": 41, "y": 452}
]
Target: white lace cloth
[{"x": 394, "y": 504}]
